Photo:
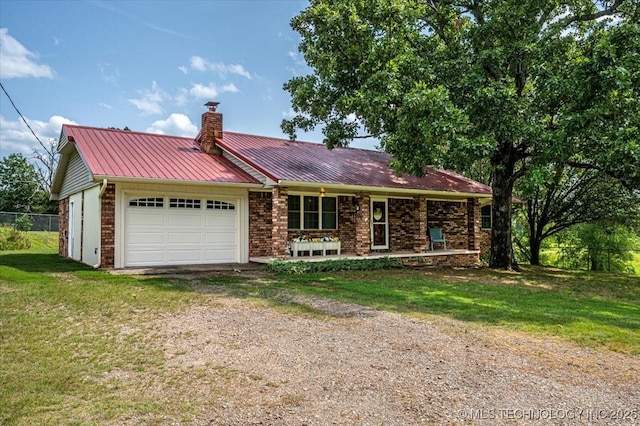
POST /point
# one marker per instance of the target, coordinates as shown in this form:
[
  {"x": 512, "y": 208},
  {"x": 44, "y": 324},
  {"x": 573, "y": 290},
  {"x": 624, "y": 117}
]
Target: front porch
[
  {"x": 296, "y": 225},
  {"x": 443, "y": 258}
]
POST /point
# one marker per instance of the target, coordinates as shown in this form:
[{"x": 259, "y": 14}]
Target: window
[
  {"x": 329, "y": 213},
  {"x": 220, "y": 205},
  {"x": 310, "y": 212},
  {"x": 184, "y": 203},
  {"x": 485, "y": 217},
  {"x": 147, "y": 202},
  {"x": 294, "y": 211}
]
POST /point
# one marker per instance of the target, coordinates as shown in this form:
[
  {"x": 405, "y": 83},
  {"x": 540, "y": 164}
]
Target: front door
[{"x": 379, "y": 225}]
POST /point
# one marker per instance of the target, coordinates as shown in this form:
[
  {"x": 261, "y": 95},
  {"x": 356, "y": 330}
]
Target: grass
[{"x": 81, "y": 346}]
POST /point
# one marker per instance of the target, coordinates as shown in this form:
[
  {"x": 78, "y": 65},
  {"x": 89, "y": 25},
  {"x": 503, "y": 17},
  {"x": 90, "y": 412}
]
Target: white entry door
[{"x": 379, "y": 224}]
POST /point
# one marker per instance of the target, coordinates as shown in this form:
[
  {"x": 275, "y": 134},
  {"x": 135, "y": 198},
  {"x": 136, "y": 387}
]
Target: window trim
[
  {"x": 483, "y": 216},
  {"x": 320, "y": 211}
]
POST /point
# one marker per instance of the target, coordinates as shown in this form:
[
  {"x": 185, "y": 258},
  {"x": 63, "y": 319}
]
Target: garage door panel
[
  {"x": 166, "y": 236},
  {"x": 190, "y": 237},
  {"x": 145, "y": 218},
  {"x": 222, "y": 218},
  {"x": 185, "y": 220},
  {"x": 146, "y": 238},
  {"x": 219, "y": 256},
  {"x": 184, "y": 255},
  {"x": 220, "y": 237},
  {"x": 145, "y": 257}
]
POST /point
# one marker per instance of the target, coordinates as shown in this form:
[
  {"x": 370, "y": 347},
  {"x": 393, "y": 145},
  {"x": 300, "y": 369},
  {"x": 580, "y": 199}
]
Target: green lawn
[{"x": 66, "y": 328}]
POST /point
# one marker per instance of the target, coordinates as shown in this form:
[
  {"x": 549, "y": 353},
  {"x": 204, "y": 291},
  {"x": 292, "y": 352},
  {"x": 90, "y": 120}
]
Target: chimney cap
[{"x": 212, "y": 105}]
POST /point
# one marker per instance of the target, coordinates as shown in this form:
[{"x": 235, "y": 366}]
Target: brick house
[{"x": 130, "y": 199}]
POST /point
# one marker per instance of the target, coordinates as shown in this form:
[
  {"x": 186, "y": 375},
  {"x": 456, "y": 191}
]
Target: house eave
[
  {"x": 342, "y": 188},
  {"x": 126, "y": 179}
]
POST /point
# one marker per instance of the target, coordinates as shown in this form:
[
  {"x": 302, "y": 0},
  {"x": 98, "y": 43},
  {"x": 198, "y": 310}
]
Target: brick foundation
[{"x": 469, "y": 260}]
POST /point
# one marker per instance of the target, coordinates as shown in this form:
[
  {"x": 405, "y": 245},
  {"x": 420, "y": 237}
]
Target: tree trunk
[
  {"x": 501, "y": 243},
  {"x": 534, "y": 247}
]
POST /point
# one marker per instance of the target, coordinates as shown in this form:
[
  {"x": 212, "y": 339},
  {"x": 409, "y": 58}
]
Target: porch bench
[{"x": 312, "y": 246}]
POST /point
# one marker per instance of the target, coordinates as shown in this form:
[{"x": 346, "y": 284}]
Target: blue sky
[{"x": 148, "y": 65}]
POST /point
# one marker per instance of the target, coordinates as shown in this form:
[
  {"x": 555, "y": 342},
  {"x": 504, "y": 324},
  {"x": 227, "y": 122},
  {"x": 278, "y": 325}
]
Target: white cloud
[
  {"x": 17, "y": 61},
  {"x": 151, "y": 100},
  {"x": 103, "y": 105},
  {"x": 182, "y": 97},
  {"x": 16, "y": 137},
  {"x": 184, "y": 69},
  {"x": 175, "y": 124},
  {"x": 200, "y": 91},
  {"x": 198, "y": 63}
]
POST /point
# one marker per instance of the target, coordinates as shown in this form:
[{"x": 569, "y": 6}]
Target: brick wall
[
  {"x": 363, "y": 230},
  {"x": 452, "y": 218},
  {"x": 63, "y": 227},
  {"x": 401, "y": 224},
  {"x": 108, "y": 227},
  {"x": 260, "y": 207},
  {"x": 419, "y": 224},
  {"x": 484, "y": 242},
  {"x": 473, "y": 223},
  {"x": 279, "y": 222}
]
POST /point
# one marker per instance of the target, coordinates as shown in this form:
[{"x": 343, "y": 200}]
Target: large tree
[
  {"x": 559, "y": 197},
  {"x": 520, "y": 83}
]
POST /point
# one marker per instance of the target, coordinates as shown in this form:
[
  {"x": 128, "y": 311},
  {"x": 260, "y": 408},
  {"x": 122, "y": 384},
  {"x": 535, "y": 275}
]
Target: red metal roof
[
  {"x": 118, "y": 153},
  {"x": 284, "y": 160}
]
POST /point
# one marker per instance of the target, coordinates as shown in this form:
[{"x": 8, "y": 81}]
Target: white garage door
[{"x": 180, "y": 231}]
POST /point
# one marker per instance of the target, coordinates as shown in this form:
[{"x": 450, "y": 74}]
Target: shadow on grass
[
  {"x": 41, "y": 262},
  {"x": 42, "y": 268},
  {"x": 586, "y": 318}
]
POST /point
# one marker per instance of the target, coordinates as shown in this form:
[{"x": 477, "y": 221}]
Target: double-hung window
[
  {"x": 485, "y": 217},
  {"x": 311, "y": 212}
]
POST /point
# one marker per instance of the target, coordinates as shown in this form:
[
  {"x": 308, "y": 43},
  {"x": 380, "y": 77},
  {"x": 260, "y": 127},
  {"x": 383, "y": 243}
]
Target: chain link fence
[{"x": 40, "y": 222}]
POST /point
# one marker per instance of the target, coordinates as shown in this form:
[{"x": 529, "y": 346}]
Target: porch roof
[{"x": 305, "y": 162}]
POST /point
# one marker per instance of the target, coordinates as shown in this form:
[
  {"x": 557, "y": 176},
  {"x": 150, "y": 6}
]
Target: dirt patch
[{"x": 241, "y": 363}]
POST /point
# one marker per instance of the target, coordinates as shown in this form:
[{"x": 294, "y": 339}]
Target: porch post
[
  {"x": 420, "y": 224},
  {"x": 473, "y": 223},
  {"x": 279, "y": 222},
  {"x": 363, "y": 227}
]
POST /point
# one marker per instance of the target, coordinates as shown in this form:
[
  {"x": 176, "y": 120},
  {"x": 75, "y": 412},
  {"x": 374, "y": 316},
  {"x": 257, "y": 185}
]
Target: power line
[{"x": 21, "y": 116}]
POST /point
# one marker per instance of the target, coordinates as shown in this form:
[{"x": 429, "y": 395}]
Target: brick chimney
[{"x": 211, "y": 129}]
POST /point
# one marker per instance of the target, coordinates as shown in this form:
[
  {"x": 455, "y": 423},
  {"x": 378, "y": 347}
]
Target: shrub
[
  {"x": 302, "y": 267},
  {"x": 24, "y": 223},
  {"x": 12, "y": 239}
]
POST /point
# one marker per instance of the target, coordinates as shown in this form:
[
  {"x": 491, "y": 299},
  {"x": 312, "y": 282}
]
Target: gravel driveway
[{"x": 246, "y": 363}]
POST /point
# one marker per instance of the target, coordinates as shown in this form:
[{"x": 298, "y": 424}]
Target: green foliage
[
  {"x": 520, "y": 84},
  {"x": 598, "y": 247},
  {"x": 21, "y": 189},
  {"x": 24, "y": 223},
  {"x": 13, "y": 239},
  {"x": 558, "y": 197},
  {"x": 302, "y": 267}
]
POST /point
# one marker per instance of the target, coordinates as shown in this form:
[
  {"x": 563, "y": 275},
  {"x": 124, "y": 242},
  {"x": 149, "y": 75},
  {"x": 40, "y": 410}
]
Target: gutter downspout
[{"x": 102, "y": 189}]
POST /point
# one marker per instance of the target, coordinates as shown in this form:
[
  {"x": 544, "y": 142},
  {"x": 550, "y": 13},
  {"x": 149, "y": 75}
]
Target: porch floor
[{"x": 375, "y": 255}]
